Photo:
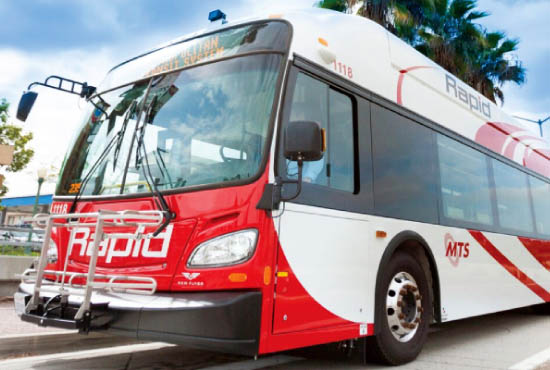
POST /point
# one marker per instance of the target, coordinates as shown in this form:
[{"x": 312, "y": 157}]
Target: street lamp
[
  {"x": 538, "y": 122},
  {"x": 41, "y": 173}
]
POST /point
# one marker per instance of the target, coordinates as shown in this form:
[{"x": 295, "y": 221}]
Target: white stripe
[
  {"x": 256, "y": 364},
  {"x": 23, "y": 363},
  {"x": 534, "y": 361},
  {"x": 57, "y": 332}
]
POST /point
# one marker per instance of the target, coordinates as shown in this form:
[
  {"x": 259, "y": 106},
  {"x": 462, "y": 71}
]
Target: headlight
[
  {"x": 225, "y": 250},
  {"x": 52, "y": 252}
]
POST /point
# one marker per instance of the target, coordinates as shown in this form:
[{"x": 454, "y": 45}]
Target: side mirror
[
  {"x": 304, "y": 141},
  {"x": 25, "y": 105}
]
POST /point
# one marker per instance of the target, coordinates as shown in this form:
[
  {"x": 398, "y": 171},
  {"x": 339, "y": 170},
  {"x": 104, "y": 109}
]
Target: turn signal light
[{"x": 237, "y": 277}]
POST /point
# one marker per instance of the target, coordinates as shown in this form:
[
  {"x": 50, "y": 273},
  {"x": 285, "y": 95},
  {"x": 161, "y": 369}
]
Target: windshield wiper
[
  {"x": 116, "y": 139},
  {"x": 122, "y": 131},
  {"x": 141, "y": 156}
]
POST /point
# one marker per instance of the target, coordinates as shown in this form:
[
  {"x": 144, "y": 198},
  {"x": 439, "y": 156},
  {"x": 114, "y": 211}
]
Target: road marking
[
  {"x": 256, "y": 364},
  {"x": 534, "y": 361},
  {"x": 57, "y": 332},
  {"x": 24, "y": 363}
]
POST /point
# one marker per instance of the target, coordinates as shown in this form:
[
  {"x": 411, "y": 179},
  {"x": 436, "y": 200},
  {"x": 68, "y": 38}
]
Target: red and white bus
[{"x": 275, "y": 183}]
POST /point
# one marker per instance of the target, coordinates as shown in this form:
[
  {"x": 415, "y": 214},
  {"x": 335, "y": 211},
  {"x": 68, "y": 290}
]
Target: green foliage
[
  {"x": 338, "y": 5},
  {"x": 444, "y": 31},
  {"x": 13, "y": 135},
  {"x": 9, "y": 250}
]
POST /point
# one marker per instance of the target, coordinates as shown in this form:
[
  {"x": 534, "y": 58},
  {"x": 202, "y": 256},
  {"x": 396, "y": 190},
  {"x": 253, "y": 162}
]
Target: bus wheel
[{"x": 403, "y": 312}]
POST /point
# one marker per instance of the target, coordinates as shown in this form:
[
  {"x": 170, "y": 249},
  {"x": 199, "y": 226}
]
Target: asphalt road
[{"x": 516, "y": 339}]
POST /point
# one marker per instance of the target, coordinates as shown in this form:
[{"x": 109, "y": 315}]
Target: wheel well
[{"x": 413, "y": 244}]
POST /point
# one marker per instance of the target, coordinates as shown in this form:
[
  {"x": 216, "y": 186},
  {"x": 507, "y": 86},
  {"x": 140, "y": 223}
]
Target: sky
[{"x": 82, "y": 40}]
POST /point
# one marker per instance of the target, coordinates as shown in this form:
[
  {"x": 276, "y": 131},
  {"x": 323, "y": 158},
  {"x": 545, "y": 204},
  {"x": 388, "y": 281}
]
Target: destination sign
[{"x": 233, "y": 41}]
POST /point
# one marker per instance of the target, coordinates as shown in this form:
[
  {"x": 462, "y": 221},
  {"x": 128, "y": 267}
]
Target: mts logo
[{"x": 454, "y": 250}]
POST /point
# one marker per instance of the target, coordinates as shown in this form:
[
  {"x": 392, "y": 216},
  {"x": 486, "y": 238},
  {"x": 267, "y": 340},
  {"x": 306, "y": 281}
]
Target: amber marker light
[
  {"x": 381, "y": 234},
  {"x": 282, "y": 274},
  {"x": 237, "y": 277},
  {"x": 322, "y": 41},
  {"x": 267, "y": 275},
  {"x": 275, "y": 16}
]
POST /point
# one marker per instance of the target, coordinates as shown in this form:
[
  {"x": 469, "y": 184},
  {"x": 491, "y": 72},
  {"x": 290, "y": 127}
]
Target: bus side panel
[
  {"x": 478, "y": 279},
  {"x": 295, "y": 309},
  {"x": 328, "y": 254}
]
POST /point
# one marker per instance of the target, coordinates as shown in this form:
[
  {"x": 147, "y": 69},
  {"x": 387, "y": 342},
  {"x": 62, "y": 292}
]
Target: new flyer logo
[{"x": 191, "y": 275}]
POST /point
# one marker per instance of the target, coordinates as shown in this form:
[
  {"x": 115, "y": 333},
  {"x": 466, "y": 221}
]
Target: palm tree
[
  {"x": 444, "y": 30},
  {"x": 338, "y": 5},
  {"x": 491, "y": 68},
  {"x": 448, "y": 35},
  {"x": 388, "y": 13}
]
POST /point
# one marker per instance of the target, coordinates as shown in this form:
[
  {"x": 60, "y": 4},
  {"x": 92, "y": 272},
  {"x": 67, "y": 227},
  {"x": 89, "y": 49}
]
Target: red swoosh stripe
[
  {"x": 540, "y": 249},
  {"x": 509, "y": 266},
  {"x": 400, "y": 81}
]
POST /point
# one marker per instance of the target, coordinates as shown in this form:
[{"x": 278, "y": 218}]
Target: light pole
[
  {"x": 538, "y": 122},
  {"x": 41, "y": 174}
]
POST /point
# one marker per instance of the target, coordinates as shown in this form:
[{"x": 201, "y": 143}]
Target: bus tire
[{"x": 403, "y": 312}]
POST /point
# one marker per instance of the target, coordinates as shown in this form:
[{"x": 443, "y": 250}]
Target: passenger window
[
  {"x": 540, "y": 191},
  {"x": 404, "y": 167},
  {"x": 340, "y": 141},
  {"x": 316, "y": 101},
  {"x": 514, "y": 211},
  {"x": 465, "y": 192}
]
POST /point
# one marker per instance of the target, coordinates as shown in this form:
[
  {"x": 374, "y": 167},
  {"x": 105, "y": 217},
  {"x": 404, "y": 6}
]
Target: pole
[
  {"x": 538, "y": 122},
  {"x": 35, "y": 208},
  {"x": 34, "y": 211}
]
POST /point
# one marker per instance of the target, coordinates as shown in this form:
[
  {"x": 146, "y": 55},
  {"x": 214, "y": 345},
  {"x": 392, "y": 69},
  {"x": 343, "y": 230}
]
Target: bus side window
[
  {"x": 540, "y": 191},
  {"x": 309, "y": 103},
  {"x": 340, "y": 141},
  {"x": 465, "y": 191},
  {"x": 316, "y": 101},
  {"x": 512, "y": 196}
]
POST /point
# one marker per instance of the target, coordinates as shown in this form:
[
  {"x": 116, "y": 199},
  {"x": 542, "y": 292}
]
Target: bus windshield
[{"x": 203, "y": 125}]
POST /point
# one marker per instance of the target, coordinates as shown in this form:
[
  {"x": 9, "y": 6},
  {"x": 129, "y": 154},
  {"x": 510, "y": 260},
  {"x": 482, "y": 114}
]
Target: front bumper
[{"x": 221, "y": 321}]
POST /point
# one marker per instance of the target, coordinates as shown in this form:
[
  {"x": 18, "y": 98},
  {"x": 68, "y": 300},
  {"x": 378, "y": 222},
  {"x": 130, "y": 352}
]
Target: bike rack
[{"x": 65, "y": 279}]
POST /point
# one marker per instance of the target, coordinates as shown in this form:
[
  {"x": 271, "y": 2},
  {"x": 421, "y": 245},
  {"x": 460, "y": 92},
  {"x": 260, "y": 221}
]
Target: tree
[
  {"x": 449, "y": 37},
  {"x": 338, "y": 5},
  {"x": 491, "y": 68},
  {"x": 13, "y": 135}
]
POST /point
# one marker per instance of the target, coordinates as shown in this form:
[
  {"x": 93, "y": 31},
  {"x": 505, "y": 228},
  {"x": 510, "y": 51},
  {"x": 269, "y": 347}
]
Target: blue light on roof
[{"x": 216, "y": 15}]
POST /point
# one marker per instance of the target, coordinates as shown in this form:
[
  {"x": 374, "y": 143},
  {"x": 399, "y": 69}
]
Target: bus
[{"x": 275, "y": 183}]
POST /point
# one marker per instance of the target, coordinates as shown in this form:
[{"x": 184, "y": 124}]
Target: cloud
[
  {"x": 56, "y": 115},
  {"x": 523, "y": 20}
]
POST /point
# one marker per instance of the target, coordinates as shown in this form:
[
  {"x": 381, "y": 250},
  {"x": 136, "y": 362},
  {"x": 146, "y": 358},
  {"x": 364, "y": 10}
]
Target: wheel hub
[{"x": 403, "y": 306}]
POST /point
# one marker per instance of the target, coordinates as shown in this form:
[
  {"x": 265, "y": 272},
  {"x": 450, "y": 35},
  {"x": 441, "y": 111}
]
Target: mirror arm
[
  {"x": 298, "y": 183},
  {"x": 272, "y": 197},
  {"x": 86, "y": 91}
]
